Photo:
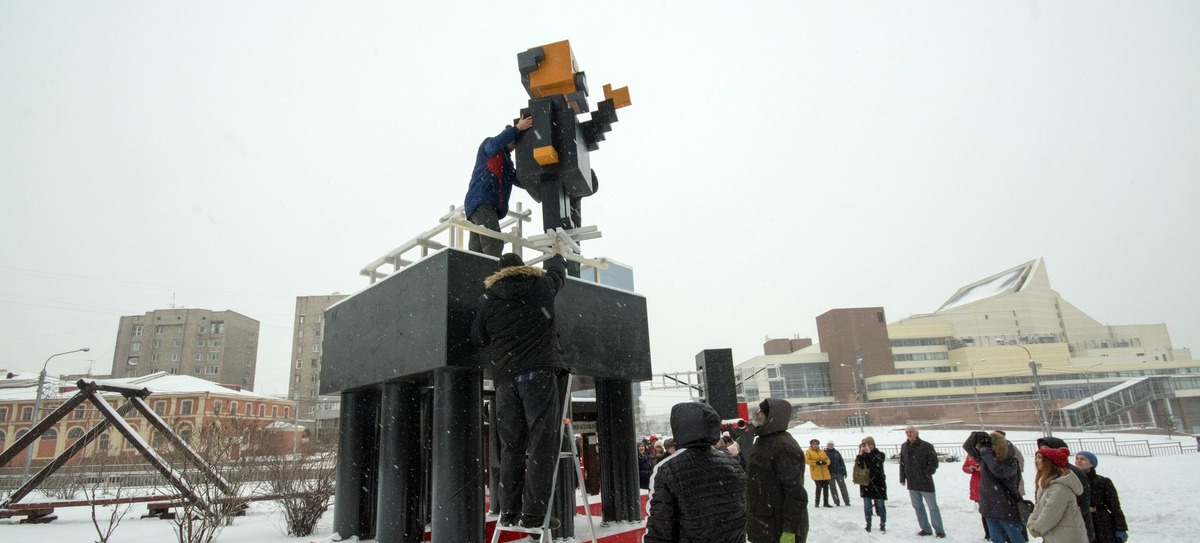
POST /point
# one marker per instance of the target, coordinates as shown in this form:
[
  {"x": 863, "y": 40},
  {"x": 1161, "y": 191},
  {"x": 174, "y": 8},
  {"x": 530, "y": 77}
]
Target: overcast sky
[{"x": 778, "y": 161}]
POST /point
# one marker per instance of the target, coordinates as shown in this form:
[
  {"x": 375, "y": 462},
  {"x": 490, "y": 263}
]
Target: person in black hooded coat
[
  {"x": 1108, "y": 519},
  {"x": 697, "y": 494},
  {"x": 776, "y": 502},
  {"x": 515, "y": 325}
]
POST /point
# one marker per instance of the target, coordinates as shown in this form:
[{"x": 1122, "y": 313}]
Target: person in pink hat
[{"x": 1056, "y": 517}]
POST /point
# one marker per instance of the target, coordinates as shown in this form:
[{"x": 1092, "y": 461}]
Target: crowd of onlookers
[{"x": 706, "y": 486}]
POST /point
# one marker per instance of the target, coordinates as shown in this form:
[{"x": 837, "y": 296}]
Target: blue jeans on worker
[
  {"x": 918, "y": 498},
  {"x": 880, "y": 509},
  {"x": 1004, "y": 530}
]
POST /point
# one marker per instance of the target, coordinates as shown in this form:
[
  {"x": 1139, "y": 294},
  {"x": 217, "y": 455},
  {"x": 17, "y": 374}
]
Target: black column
[
  {"x": 426, "y": 454},
  {"x": 493, "y": 459},
  {"x": 400, "y": 517},
  {"x": 457, "y": 498},
  {"x": 619, "y": 493},
  {"x": 354, "y": 492}
]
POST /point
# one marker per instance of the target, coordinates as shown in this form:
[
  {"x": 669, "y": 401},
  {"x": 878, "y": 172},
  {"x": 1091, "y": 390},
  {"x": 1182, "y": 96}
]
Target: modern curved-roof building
[{"x": 975, "y": 349}]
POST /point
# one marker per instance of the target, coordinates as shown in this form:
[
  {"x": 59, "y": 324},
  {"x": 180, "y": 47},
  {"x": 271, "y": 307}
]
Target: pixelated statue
[{"x": 552, "y": 158}]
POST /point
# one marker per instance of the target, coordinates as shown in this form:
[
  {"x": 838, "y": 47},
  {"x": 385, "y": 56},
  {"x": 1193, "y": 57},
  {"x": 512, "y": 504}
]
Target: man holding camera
[{"x": 776, "y": 502}]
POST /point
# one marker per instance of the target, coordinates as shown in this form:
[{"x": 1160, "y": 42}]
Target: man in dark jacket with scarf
[
  {"x": 697, "y": 495},
  {"x": 918, "y": 462},
  {"x": 1084, "y": 498},
  {"x": 491, "y": 186},
  {"x": 515, "y": 324},
  {"x": 776, "y": 502}
]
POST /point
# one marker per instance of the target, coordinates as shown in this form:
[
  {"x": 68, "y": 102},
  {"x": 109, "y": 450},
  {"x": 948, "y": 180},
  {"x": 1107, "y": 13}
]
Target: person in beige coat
[{"x": 1056, "y": 517}]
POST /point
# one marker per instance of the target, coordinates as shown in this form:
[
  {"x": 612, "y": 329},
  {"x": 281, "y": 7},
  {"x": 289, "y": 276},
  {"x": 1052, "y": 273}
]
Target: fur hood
[{"x": 512, "y": 272}]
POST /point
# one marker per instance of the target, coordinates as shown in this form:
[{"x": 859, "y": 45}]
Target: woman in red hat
[{"x": 1056, "y": 517}]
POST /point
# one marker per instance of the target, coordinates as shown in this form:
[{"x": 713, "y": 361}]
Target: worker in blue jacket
[{"x": 491, "y": 186}]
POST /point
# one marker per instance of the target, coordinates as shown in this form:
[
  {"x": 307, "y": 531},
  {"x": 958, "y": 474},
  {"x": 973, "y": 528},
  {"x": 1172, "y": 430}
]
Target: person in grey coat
[
  {"x": 918, "y": 462},
  {"x": 837, "y": 474}
]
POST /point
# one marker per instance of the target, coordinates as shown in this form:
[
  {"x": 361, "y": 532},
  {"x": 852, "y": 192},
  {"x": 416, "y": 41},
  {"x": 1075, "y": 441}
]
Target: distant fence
[{"x": 1137, "y": 448}]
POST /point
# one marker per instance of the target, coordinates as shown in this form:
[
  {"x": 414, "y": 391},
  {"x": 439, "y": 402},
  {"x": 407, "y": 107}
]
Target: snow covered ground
[{"x": 1157, "y": 494}]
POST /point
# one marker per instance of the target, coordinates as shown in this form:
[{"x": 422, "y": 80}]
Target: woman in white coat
[{"x": 1056, "y": 517}]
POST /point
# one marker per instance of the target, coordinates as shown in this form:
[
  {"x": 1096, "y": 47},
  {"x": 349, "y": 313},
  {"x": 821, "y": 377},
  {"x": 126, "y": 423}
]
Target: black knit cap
[
  {"x": 765, "y": 408},
  {"x": 508, "y": 260}
]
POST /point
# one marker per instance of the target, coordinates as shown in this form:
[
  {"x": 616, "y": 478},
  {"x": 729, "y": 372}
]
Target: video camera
[{"x": 729, "y": 425}]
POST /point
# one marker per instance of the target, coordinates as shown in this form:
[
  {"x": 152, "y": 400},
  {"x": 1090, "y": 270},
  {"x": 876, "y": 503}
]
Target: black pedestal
[{"x": 411, "y": 330}]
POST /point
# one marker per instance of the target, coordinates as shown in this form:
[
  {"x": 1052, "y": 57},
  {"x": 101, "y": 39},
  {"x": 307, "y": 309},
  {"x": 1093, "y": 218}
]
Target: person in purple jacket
[{"x": 491, "y": 186}]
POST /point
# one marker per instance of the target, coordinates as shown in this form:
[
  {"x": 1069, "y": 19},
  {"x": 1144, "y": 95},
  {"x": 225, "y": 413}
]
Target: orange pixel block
[
  {"x": 555, "y": 73},
  {"x": 620, "y": 97},
  {"x": 545, "y": 156}
]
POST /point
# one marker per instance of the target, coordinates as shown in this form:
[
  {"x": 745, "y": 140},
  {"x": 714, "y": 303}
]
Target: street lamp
[
  {"x": 857, "y": 405},
  {"x": 37, "y": 406},
  {"x": 1087, "y": 374},
  {"x": 975, "y": 386},
  {"x": 1037, "y": 386}
]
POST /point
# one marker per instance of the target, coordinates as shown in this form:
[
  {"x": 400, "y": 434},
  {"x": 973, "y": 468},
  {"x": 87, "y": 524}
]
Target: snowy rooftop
[{"x": 159, "y": 383}]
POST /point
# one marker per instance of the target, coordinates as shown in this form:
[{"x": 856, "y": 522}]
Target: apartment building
[{"x": 218, "y": 346}]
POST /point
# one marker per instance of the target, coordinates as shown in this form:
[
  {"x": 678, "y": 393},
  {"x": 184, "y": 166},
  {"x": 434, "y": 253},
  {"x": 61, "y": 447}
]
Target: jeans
[
  {"x": 880, "y": 509},
  {"x": 529, "y": 422},
  {"x": 1004, "y": 530},
  {"x": 836, "y": 483},
  {"x": 485, "y": 215},
  {"x": 918, "y": 498}
]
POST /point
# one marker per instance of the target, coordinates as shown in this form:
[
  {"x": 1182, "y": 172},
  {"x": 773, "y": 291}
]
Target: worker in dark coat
[
  {"x": 492, "y": 181},
  {"x": 697, "y": 494},
  {"x": 776, "y": 502},
  {"x": 1108, "y": 520},
  {"x": 515, "y": 325},
  {"x": 1085, "y": 498}
]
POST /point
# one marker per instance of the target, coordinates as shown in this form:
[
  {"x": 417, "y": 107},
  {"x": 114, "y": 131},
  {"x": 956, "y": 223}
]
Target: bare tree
[
  {"x": 102, "y": 496},
  {"x": 304, "y": 484},
  {"x": 224, "y": 445},
  {"x": 65, "y": 484}
]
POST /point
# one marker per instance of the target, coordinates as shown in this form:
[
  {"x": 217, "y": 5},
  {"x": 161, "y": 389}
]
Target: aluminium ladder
[{"x": 568, "y": 433}]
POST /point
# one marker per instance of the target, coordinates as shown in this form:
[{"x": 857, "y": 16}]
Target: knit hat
[
  {"x": 765, "y": 408},
  {"x": 1057, "y": 456},
  {"x": 508, "y": 260},
  {"x": 1088, "y": 454}
]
